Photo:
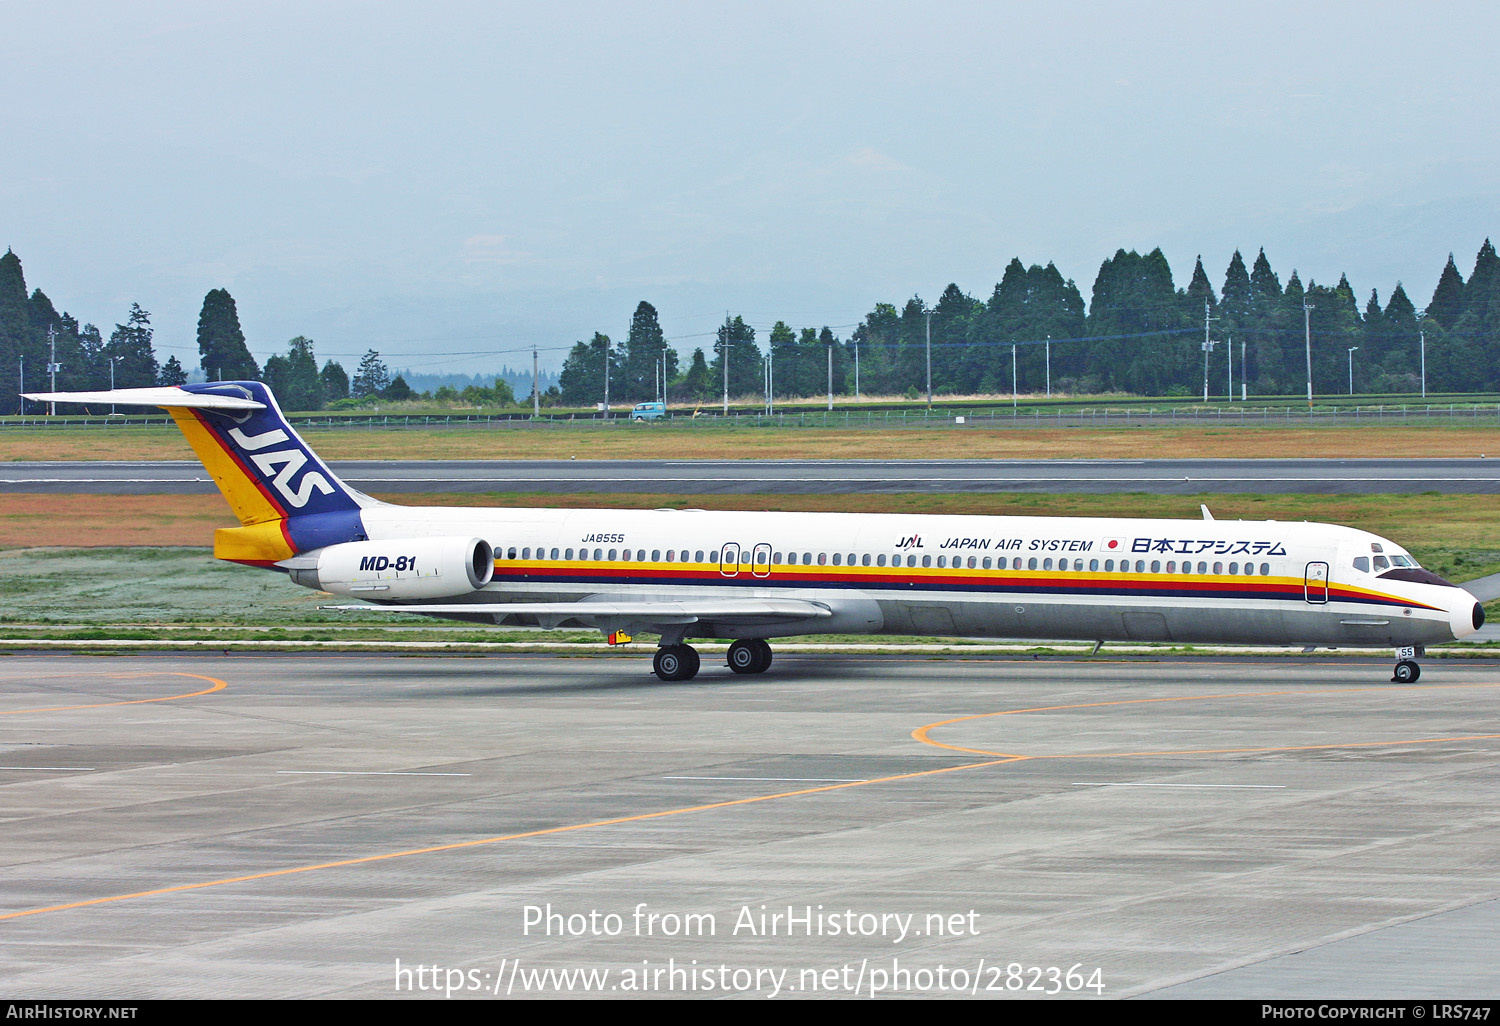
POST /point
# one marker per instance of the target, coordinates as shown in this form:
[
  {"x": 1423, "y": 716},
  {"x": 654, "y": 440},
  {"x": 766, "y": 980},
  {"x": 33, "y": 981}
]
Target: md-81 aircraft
[{"x": 685, "y": 574}]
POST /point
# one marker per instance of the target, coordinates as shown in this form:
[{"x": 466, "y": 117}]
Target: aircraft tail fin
[{"x": 286, "y": 498}]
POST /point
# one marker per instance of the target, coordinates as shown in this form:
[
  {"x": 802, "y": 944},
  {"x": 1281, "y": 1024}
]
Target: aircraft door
[
  {"x": 729, "y": 559},
  {"x": 1316, "y": 583},
  {"x": 760, "y": 561}
]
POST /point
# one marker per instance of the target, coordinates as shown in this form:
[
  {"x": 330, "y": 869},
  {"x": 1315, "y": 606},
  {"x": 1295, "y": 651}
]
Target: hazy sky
[{"x": 435, "y": 179}]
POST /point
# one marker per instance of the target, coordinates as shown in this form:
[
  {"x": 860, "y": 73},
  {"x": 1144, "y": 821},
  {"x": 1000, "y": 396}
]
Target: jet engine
[{"x": 398, "y": 569}]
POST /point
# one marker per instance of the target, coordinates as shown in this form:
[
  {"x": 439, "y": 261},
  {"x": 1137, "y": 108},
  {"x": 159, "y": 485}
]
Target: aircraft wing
[{"x": 641, "y": 614}]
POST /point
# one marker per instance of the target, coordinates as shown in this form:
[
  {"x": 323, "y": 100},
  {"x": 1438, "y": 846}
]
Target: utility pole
[
  {"x": 1229, "y": 366},
  {"x": 1351, "y": 368},
  {"x": 1244, "y": 379},
  {"x": 856, "y": 368},
  {"x": 929, "y": 359},
  {"x": 1049, "y": 366},
  {"x": 112, "y": 360},
  {"x": 536, "y": 388},
  {"x": 606, "y": 378},
  {"x": 23, "y": 384},
  {"x": 1307, "y": 328},
  {"x": 724, "y": 353},
  {"x": 1208, "y": 347},
  {"x": 830, "y": 375},
  {"x": 1423, "y": 336},
  {"x": 1013, "y": 395},
  {"x": 52, "y": 365},
  {"x": 768, "y": 377}
]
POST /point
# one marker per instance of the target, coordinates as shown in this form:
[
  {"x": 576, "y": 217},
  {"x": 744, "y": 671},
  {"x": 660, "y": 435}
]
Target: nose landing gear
[{"x": 1407, "y": 670}]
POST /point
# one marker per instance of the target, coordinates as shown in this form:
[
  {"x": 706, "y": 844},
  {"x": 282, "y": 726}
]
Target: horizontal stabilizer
[{"x": 166, "y": 396}]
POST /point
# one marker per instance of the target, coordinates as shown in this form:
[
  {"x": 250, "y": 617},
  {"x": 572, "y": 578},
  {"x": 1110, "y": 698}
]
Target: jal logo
[
  {"x": 914, "y": 542},
  {"x": 289, "y": 462}
]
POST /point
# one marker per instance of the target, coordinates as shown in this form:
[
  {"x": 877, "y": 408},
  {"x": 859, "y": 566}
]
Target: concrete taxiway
[
  {"x": 382, "y": 826},
  {"x": 1172, "y": 477}
]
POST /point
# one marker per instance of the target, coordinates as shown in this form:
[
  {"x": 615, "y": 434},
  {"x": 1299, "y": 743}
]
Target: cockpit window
[
  {"x": 1362, "y": 564},
  {"x": 1403, "y": 561},
  {"x": 1381, "y": 563}
]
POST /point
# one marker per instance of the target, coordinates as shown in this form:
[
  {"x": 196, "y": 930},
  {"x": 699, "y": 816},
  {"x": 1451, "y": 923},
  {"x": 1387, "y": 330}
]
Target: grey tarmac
[
  {"x": 1170, "y": 477},
  {"x": 1197, "y": 827}
]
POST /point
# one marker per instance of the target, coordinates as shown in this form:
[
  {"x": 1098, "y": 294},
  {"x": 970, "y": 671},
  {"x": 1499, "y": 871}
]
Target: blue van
[{"x": 648, "y": 411}]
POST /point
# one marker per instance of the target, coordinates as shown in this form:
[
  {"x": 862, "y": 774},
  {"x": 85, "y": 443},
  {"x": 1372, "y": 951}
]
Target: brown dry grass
[
  {"x": 661, "y": 441},
  {"x": 1450, "y": 521}
]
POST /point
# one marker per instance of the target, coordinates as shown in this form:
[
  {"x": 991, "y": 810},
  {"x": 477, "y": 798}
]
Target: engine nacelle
[{"x": 402, "y": 568}]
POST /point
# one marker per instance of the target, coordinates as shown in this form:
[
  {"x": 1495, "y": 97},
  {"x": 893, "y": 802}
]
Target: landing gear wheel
[
  {"x": 676, "y": 662},
  {"x": 1407, "y": 672},
  {"x": 743, "y": 657},
  {"x": 749, "y": 656}
]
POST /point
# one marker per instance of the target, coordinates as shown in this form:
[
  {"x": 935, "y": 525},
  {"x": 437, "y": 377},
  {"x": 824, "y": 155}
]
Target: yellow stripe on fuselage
[{"x": 242, "y": 492}]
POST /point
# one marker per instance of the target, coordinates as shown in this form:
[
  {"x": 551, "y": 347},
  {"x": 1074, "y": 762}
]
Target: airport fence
[{"x": 921, "y": 417}]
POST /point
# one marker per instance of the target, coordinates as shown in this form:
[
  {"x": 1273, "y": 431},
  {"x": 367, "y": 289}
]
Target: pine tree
[
  {"x": 640, "y": 365},
  {"x": 15, "y": 327},
  {"x": 1265, "y": 287},
  {"x": 1237, "y": 304},
  {"x": 785, "y": 356},
  {"x": 372, "y": 376},
  {"x": 221, "y": 344},
  {"x": 697, "y": 383},
  {"x": 334, "y": 381},
  {"x": 1447, "y": 302},
  {"x": 129, "y": 348},
  {"x": 736, "y": 339},
  {"x": 398, "y": 390},
  {"x": 172, "y": 373},
  {"x": 582, "y": 377}
]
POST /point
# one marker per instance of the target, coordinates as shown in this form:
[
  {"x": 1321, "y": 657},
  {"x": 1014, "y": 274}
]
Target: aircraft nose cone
[{"x": 1463, "y": 619}]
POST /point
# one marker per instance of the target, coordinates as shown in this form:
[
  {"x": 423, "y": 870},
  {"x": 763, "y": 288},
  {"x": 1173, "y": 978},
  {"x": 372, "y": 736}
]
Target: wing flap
[{"x": 602, "y": 612}]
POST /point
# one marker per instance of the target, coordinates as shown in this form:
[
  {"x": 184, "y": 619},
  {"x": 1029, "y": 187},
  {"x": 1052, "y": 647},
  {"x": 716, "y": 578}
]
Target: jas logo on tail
[{"x": 289, "y": 460}]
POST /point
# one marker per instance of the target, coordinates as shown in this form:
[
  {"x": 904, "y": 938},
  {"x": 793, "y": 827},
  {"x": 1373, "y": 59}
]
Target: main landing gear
[
  {"x": 749, "y": 656},
  {"x": 681, "y": 662},
  {"x": 676, "y": 662}
]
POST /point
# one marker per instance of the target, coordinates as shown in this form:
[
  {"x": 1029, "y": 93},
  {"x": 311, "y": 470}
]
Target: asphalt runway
[
  {"x": 1170, "y": 477},
  {"x": 337, "y": 826}
]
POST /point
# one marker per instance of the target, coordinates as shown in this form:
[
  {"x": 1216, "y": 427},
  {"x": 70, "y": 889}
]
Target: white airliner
[{"x": 685, "y": 574}]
